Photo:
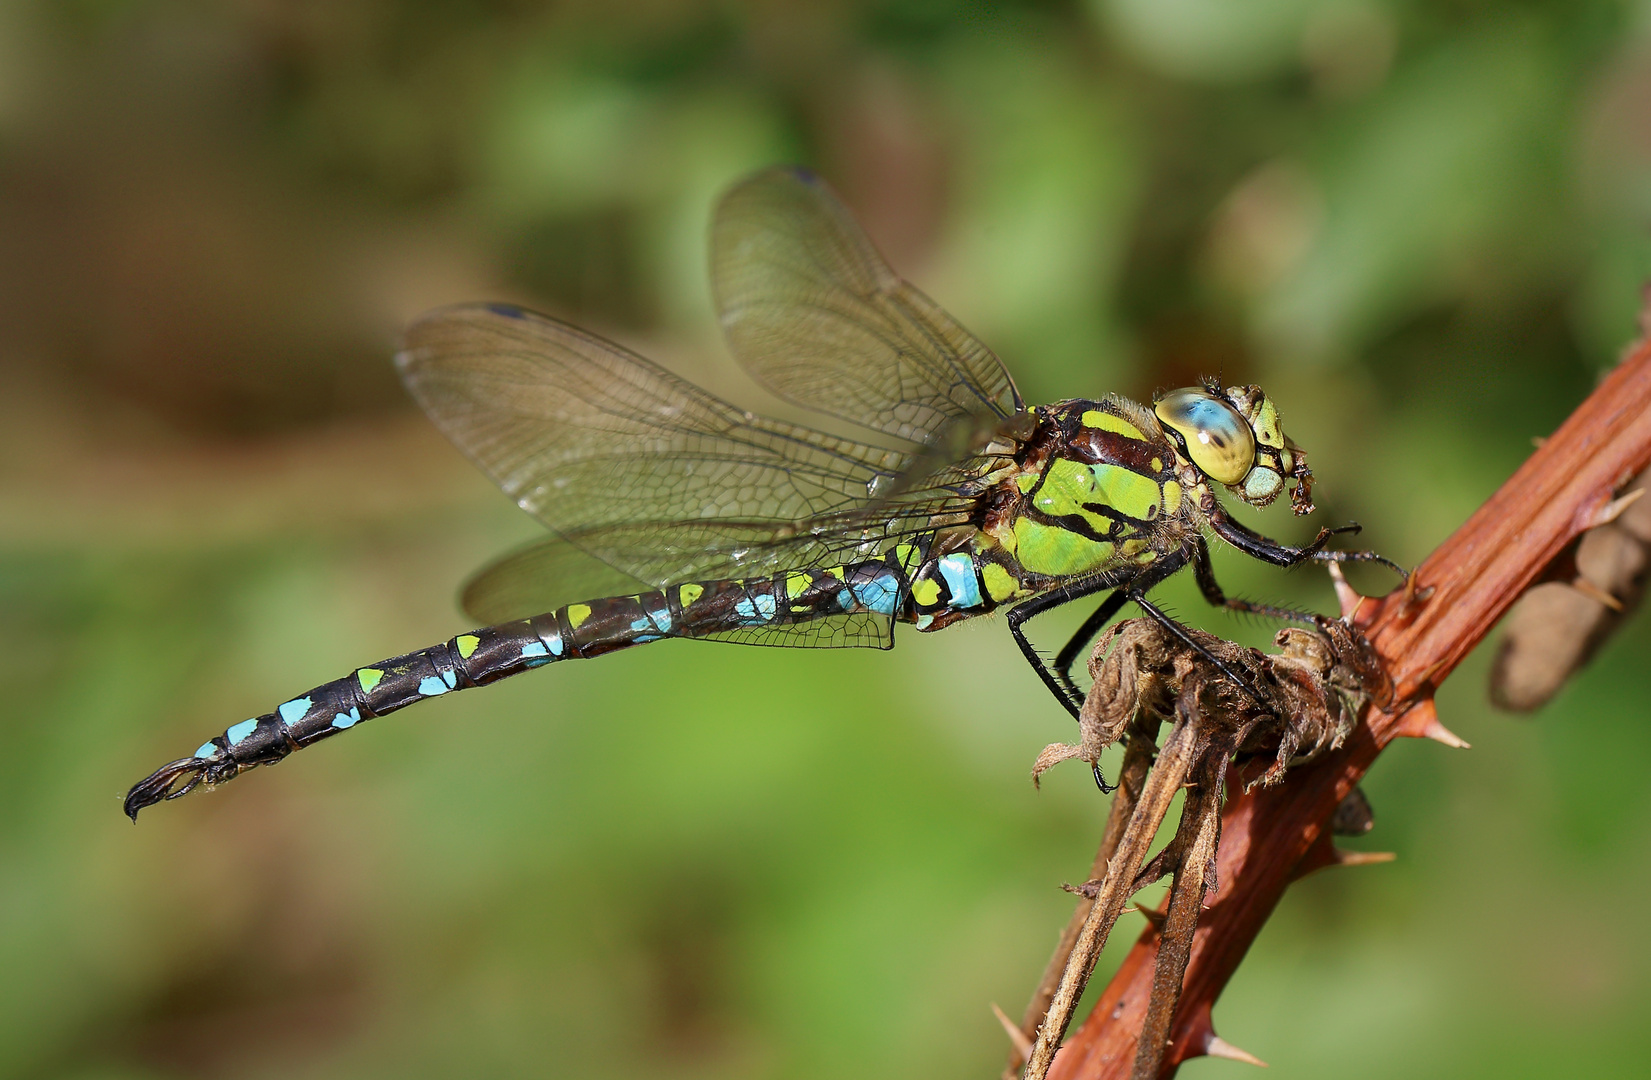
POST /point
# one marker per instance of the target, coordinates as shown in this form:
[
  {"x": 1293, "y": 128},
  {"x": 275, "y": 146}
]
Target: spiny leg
[
  {"x": 1204, "y": 574},
  {"x": 1067, "y": 694},
  {"x": 1240, "y": 680},
  {"x": 1268, "y": 550},
  {"x": 1082, "y": 637}
]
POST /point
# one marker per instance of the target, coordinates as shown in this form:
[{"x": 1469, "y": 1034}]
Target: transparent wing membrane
[
  {"x": 542, "y": 576},
  {"x": 815, "y": 314},
  {"x": 648, "y": 480}
]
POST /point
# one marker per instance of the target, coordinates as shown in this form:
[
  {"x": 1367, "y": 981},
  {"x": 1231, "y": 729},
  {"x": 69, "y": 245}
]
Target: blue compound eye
[{"x": 1219, "y": 440}]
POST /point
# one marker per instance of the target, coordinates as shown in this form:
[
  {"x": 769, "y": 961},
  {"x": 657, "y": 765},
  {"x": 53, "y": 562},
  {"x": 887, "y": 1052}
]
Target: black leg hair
[
  {"x": 1260, "y": 547},
  {"x": 1058, "y": 677},
  {"x": 1242, "y": 681},
  {"x": 1144, "y": 579},
  {"x": 1204, "y": 574},
  {"x": 1081, "y": 639}
]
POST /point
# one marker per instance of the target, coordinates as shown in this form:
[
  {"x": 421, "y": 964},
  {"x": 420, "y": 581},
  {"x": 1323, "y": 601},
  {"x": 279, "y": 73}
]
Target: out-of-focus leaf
[
  {"x": 1441, "y": 189},
  {"x": 1040, "y": 216},
  {"x": 1211, "y": 40}
]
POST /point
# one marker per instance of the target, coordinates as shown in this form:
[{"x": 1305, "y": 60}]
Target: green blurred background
[{"x": 1422, "y": 225}]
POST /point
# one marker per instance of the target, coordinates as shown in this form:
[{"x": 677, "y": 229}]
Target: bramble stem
[
  {"x": 1421, "y": 633},
  {"x": 1142, "y": 747},
  {"x": 1174, "y": 760}
]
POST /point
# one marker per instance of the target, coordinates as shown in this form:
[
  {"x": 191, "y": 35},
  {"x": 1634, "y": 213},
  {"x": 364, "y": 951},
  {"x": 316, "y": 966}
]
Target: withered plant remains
[{"x": 1144, "y": 677}]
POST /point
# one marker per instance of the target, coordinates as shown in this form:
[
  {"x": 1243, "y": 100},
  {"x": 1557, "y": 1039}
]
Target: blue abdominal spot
[
  {"x": 657, "y": 625},
  {"x": 755, "y": 611},
  {"x": 430, "y": 686},
  {"x": 240, "y": 731},
  {"x": 959, "y": 572},
  {"x": 880, "y": 594}
]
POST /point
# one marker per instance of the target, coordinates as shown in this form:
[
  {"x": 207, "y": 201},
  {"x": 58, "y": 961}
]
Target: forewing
[
  {"x": 658, "y": 479},
  {"x": 815, "y": 314}
]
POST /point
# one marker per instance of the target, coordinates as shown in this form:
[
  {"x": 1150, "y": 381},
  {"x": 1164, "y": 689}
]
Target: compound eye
[{"x": 1219, "y": 440}]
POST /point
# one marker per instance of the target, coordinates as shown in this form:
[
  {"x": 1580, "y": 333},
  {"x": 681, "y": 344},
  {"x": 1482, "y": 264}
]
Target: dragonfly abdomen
[{"x": 583, "y": 630}]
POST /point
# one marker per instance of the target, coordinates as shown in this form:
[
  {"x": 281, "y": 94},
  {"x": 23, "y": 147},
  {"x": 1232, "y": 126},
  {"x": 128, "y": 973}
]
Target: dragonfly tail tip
[{"x": 171, "y": 780}]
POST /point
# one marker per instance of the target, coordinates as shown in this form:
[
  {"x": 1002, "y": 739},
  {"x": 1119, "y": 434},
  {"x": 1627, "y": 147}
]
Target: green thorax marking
[{"x": 1093, "y": 494}]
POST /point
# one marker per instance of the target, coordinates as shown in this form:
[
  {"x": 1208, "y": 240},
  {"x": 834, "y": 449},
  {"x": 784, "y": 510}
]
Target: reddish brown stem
[{"x": 1422, "y": 633}]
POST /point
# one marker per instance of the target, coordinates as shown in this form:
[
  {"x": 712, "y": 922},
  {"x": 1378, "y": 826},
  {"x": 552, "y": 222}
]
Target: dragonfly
[{"x": 675, "y": 514}]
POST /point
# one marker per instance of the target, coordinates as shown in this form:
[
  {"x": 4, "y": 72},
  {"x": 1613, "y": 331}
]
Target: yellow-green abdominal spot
[
  {"x": 926, "y": 591},
  {"x": 467, "y": 644},
  {"x": 1058, "y": 552},
  {"x": 1000, "y": 584},
  {"x": 368, "y": 678},
  {"x": 1105, "y": 421},
  {"x": 687, "y": 594},
  {"x": 578, "y": 613},
  {"x": 795, "y": 584}
]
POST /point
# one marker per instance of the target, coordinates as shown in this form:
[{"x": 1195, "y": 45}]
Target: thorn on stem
[
  {"x": 1594, "y": 592},
  {"x": 1422, "y": 722},
  {"x": 1362, "y": 858},
  {"x": 1216, "y": 1046},
  {"x": 1346, "y": 595},
  {"x": 1152, "y": 915},
  {"x": 1023, "y": 1045},
  {"x": 1613, "y": 509}
]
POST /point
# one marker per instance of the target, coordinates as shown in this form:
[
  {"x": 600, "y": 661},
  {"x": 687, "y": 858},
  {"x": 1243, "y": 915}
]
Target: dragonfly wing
[
  {"x": 542, "y": 576},
  {"x": 646, "y": 472},
  {"x": 816, "y": 315}
]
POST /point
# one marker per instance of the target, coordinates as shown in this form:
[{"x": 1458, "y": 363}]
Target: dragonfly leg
[
  {"x": 1241, "y": 680},
  {"x": 1066, "y": 694},
  {"x": 1082, "y": 637},
  {"x": 1204, "y": 574},
  {"x": 1267, "y": 550},
  {"x": 1058, "y": 676}
]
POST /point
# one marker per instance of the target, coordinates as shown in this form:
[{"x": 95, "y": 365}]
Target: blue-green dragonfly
[{"x": 675, "y": 514}]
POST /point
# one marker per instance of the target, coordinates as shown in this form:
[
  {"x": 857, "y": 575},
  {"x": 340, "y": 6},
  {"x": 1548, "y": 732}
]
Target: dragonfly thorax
[{"x": 1099, "y": 484}]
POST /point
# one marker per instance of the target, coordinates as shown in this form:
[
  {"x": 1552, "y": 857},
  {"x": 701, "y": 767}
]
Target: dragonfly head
[{"x": 1233, "y": 435}]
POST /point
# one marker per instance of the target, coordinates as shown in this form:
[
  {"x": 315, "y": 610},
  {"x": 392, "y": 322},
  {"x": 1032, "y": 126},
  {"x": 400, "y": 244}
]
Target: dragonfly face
[
  {"x": 673, "y": 513},
  {"x": 1234, "y": 437}
]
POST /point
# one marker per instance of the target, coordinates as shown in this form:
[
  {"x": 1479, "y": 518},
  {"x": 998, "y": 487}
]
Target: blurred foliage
[{"x": 1423, "y": 226}]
